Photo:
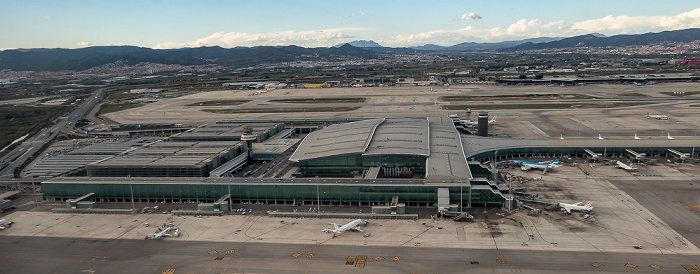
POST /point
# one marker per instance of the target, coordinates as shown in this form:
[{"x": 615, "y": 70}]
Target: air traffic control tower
[{"x": 248, "y": 137}]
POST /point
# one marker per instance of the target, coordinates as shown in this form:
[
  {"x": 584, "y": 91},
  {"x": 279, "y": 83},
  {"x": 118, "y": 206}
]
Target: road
[{"x": 26, "y": 149}]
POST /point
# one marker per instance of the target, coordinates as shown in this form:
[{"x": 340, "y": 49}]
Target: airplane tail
[
  {"x": 335, "y": 226},
  {"x": 556, "y": 162},
  {"x": 589, "y": 205},
  {"x": 494, "y": 119},
  {"x": 648, "y": 115}
]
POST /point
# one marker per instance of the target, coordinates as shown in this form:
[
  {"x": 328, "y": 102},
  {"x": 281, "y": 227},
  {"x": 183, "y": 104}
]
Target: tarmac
[
  {"x": 655, "y": 208},
  {"x": 495, "y": 242},
  {"x": 423, "y": 101}
]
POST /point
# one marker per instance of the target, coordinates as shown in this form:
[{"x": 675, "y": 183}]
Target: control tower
[{"x": 248, "y": 137}]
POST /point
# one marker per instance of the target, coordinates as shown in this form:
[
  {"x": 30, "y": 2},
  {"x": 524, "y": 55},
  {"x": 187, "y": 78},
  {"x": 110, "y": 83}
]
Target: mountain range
[{"x": 84, "y": 58}]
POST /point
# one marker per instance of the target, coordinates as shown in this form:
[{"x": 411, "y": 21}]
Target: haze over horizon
[{"x": 177, "y": 24}]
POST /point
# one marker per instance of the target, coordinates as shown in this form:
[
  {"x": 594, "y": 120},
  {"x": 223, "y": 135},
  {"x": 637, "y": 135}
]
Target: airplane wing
[
  {"x": 577, "y": 204},
  {"x": 568, "y": 210},
  {"x": 525, "y": 167},
  {"x": 357, "y": 228}
]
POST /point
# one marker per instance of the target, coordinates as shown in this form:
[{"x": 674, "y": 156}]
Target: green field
[
  {"x": 320, "y": 100},
  {"x": 515, "y": 97},
  {"x": 108, "y": 108},
  {"x": 20, "y": 120},
  {"x": 281, "y": 110},
  {"x": 219, "y": 103},
  {"x": 542, "y": 106}
]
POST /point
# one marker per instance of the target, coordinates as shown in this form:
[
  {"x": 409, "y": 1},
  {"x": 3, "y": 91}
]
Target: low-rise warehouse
[{"x": 168, "y": 159}]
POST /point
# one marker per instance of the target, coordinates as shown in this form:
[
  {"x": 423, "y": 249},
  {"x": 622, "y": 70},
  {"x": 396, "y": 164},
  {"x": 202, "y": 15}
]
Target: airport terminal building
[{"x": 422, "y": 161}]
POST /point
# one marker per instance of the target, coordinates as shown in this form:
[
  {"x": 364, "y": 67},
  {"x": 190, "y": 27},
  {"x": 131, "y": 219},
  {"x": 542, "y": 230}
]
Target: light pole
[
  {"x": 318, "y": 197},
  {"x": 230, "y": 207},
  {"x": 133, "y": 206},
  {"x": 461, "y": 191}
]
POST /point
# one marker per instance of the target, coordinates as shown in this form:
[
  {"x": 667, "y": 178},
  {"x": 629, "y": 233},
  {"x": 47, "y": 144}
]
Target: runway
[{"x": 69, "y": 255}]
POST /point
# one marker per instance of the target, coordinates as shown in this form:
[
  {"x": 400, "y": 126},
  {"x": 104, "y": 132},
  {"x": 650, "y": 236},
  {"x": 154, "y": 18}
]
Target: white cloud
[
  {"x": 84, "y": 44},
  {"x": 355, "y": 14},
  {"x": 45, "y": 17},
  {"x": 640, "y": 24},
  {"x": 470, "y": 16},
  {"x": 524, "y": 28},
  {"x": 313, "y": 38}
]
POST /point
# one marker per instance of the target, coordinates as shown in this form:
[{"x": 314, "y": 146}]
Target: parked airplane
[
  {"x": 622, "y": 165},
  {"x": 636, "y": 137},
  {"x": 577, "y": 206},
  {"x": 658, "y": 117},
  {"x": 524, "y": 165},
  {"x": 354, "y": 225},
  {"x": 493, "y": 120},
  {"x": 164, "y": 233},
  {"x": 669, "y": 136},
  {"x": 600, "y": 137},
  {"x": 4, "y": 223}
]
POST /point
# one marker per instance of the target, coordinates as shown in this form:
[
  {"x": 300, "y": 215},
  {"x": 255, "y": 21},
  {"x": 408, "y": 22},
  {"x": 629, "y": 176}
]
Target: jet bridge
[
  {"x": 635, "y": 155},
  {"x": 592, "y": 155},
  {"x": 678, "y": 155},
  {"x": 80, "y": 203}
]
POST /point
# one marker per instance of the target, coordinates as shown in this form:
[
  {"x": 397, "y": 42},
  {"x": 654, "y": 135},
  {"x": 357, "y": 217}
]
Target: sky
[{"x": 164, "y": 24}]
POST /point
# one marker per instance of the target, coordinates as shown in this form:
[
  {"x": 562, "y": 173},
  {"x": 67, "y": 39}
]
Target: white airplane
[
  {"x": 624, "y": 166},
  {"x": 493, "y": 120},
  {"x": 669, "y": 136},
  {"x": 5, "y": 224},
  {"x": 658, "y": 117},
  {"x": 354, "y": 225},
  {"x": 600, "y": 137},
  {"x": 524, "y": 165},
  {"x": 577, "y": 206},
  {"x": 164, "y": 233},
  {"x": 636, "y": 137}
]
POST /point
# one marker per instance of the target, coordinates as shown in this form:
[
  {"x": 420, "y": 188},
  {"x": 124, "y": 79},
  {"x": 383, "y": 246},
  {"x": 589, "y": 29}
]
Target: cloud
[
  {"x": 45, "y": 17},
  {"x": 640, "y": 24},
  {"x": 355, "y": 14},
  {"x": 312, "y": 38},
  {"x": 470, "y": 16},
  {"x": 84, "y": 44},
  {"x": 524, "y": 28}
]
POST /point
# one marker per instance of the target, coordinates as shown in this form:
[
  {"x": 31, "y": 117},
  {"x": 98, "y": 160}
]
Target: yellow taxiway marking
[
  {"x": 378, "y": 258},
  {"x": 597, "y": 264},
  {"x": 631, "y": 265},
  {"x": 350, "y": 260},
  {"x": 396, "y": 258},
  {"x": 296, "y": 255},
  {"x": 169, "y": 271},
  {"x": 310, "y": 255},
  {"x": 655, "y": 266},
  {"x": 213, "y": 252},
  {"x": 696, "y": 206},
  {"x": 231, "y": 251},
  {"x": 501, "y": 261},
  {"x": 690, "y": 269}
]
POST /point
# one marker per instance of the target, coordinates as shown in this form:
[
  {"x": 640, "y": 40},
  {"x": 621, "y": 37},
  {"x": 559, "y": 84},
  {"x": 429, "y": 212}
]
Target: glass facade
[{"x": 282, "y": 193}]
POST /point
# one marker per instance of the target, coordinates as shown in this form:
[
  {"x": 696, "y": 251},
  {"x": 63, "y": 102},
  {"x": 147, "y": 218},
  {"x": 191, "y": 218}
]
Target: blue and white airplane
[{"x": 524, "y": 165}]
